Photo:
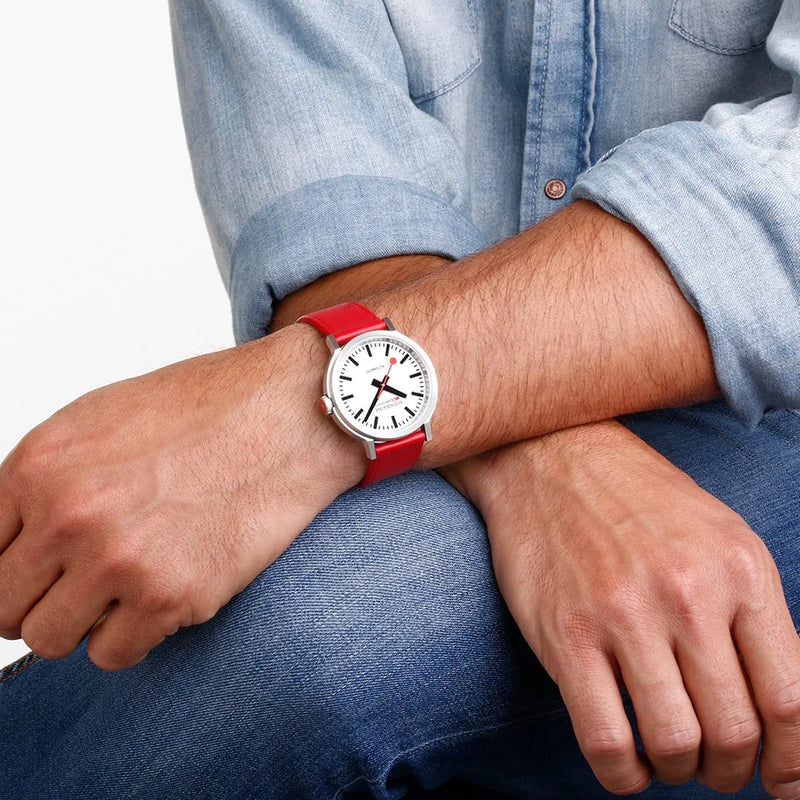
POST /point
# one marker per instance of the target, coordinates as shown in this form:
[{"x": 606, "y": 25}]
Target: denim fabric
[
  {"x": 375, "y": 658},
  {"x": 324, "y": 134}
]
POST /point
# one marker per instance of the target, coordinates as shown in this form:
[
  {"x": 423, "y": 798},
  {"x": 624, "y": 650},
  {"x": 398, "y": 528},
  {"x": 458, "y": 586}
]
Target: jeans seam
[
  {"x": 464, "y": 733},
  {"x": 12, "y": 670}
]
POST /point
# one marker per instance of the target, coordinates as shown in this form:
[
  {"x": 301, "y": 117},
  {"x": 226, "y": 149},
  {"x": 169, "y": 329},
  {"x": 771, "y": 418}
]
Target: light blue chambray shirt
[{"x": 326, "y": 133}]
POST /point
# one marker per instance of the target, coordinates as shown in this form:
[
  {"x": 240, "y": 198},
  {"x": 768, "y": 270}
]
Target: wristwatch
[{"x": 380, "y": 387}]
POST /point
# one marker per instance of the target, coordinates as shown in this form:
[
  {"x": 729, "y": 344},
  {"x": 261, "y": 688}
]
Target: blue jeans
[{"x": 375, "y": 658}]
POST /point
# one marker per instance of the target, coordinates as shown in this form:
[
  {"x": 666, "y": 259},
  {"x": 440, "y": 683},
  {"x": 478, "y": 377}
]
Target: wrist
[
  {"x": 335, "y": 460},
  {"x": 498, "y": 480}
]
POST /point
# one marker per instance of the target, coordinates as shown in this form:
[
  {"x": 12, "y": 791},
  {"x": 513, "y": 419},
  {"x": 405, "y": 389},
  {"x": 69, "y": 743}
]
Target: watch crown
[{"x": 327, "y": 404}]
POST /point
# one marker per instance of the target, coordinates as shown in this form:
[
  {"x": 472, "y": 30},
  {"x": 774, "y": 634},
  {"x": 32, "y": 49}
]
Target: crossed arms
[
  {"x": 89, "y": 503},
  {"x": 568, "y": 324}
]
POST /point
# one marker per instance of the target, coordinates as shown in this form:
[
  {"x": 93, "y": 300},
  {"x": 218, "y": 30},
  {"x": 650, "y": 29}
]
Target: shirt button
[{"x": 555, "y": 189}]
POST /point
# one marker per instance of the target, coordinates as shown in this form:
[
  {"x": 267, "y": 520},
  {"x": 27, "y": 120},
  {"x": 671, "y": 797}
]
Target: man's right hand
[
  {"x": 147, "y": 504},
  {"x": 619, "y": 569}
]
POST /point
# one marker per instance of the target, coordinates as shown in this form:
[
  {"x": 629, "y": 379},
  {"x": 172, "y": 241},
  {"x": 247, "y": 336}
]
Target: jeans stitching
[
  {"x": 470, "y": 732},
  {"x": 12, "y": 670}
]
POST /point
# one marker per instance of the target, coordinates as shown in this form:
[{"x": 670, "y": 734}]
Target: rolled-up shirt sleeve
[
  {"x": 308, "y": 153},
  {"x": 720, "y": 201}
]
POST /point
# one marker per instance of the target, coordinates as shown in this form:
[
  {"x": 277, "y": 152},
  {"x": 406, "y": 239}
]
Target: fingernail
[{"x": 788, "y": 791}]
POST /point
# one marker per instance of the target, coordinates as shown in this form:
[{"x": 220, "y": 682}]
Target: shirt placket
[{"x": 560, "y": 112}]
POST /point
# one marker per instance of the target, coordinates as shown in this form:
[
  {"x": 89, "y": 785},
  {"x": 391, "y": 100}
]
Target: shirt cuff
[
  {"x": 333, "y": 224},
  {"x": 727, "y": 228}
]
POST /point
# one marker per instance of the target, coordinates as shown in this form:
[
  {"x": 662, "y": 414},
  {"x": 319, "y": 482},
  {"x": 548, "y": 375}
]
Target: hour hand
[{"x": 388, "y": 388}]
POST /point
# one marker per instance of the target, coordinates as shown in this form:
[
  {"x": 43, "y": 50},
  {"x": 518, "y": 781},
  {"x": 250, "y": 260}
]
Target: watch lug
[
  {"x": 427, "y": 428},
  {"x": 333, "y": 345},
  {"x": 389, "y": 326},
  {"x": 369, "y": 446}
]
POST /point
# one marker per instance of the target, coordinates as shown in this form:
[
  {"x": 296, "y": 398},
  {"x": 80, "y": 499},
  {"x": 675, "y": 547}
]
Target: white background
[{"x": 105, "y": 266}]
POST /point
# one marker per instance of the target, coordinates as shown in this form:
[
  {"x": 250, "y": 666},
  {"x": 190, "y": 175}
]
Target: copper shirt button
[{"x": 555, "y": 189}]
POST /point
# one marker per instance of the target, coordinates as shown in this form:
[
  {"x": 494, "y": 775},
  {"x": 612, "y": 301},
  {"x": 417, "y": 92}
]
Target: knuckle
[
  {"x": 747, "y": 564},
  {"x": 574, "y": 629},
  {"x": 34, "y": 454},
  {"x": 735, "y": 739},
  {"x": 684, "y": 591},
  {"x": 120, "y": 562},
  {"x": 168, "y": 598},
  {"x": 782, "y": 705},
  {"x": 607, "y": 744},
  {"x": 675, "y": 744},
  {"x": 75, "y": 509},
  {"x": 165, "y": 597},
  {"x": 625, "y": 607}
]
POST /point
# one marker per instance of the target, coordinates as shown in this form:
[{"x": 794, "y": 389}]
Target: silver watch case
[{"x": 341, "y": 352}]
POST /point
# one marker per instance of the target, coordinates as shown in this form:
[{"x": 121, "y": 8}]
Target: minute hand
[{"x": 376, "y": 382}]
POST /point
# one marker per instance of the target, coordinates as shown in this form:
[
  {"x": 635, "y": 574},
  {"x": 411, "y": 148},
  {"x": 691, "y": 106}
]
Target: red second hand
[{"x": 392, "y": 362}]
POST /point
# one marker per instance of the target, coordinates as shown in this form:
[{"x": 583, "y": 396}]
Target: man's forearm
[{"x": 575, "y": 320}]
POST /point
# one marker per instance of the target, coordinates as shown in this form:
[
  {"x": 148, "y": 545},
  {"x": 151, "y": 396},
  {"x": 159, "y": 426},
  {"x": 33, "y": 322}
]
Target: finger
[
  {"x": 668, "y": 725},
  {"x": 56, "y": 624},
  {"x": 770, "y": 648},
  {"x": 124, "y": 638},
  {"x": 724, "y": 706},
  {"x": 604, "y": 733},
  {"x": 25, "y": 575}
]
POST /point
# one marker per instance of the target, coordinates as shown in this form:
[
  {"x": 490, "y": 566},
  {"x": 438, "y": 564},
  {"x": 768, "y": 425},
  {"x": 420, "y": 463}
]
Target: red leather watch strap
[
  {"x": 394, "y": 457},
  {"x": 345, "y": 321}
]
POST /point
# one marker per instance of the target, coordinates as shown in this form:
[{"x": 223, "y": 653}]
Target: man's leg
[{"x": 374, "y": 656}]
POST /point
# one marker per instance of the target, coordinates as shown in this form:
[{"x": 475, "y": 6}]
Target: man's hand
[
  {"x": 618, "y": 568},
  {"x": 158, "y": 498}
]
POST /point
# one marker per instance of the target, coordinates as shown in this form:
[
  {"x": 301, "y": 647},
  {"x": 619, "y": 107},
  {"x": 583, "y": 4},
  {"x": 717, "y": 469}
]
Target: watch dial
[{"x": 381, "y": 385}]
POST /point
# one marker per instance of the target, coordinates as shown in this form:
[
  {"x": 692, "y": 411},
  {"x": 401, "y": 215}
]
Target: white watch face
[{"x": 382, "y": 385}]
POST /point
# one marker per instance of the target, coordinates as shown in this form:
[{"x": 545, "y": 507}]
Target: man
[{"x": 388, "y": 152}]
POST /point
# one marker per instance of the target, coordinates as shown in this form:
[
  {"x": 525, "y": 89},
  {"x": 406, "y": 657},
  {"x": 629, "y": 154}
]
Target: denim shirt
[{"x": 327, "y": 133}]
